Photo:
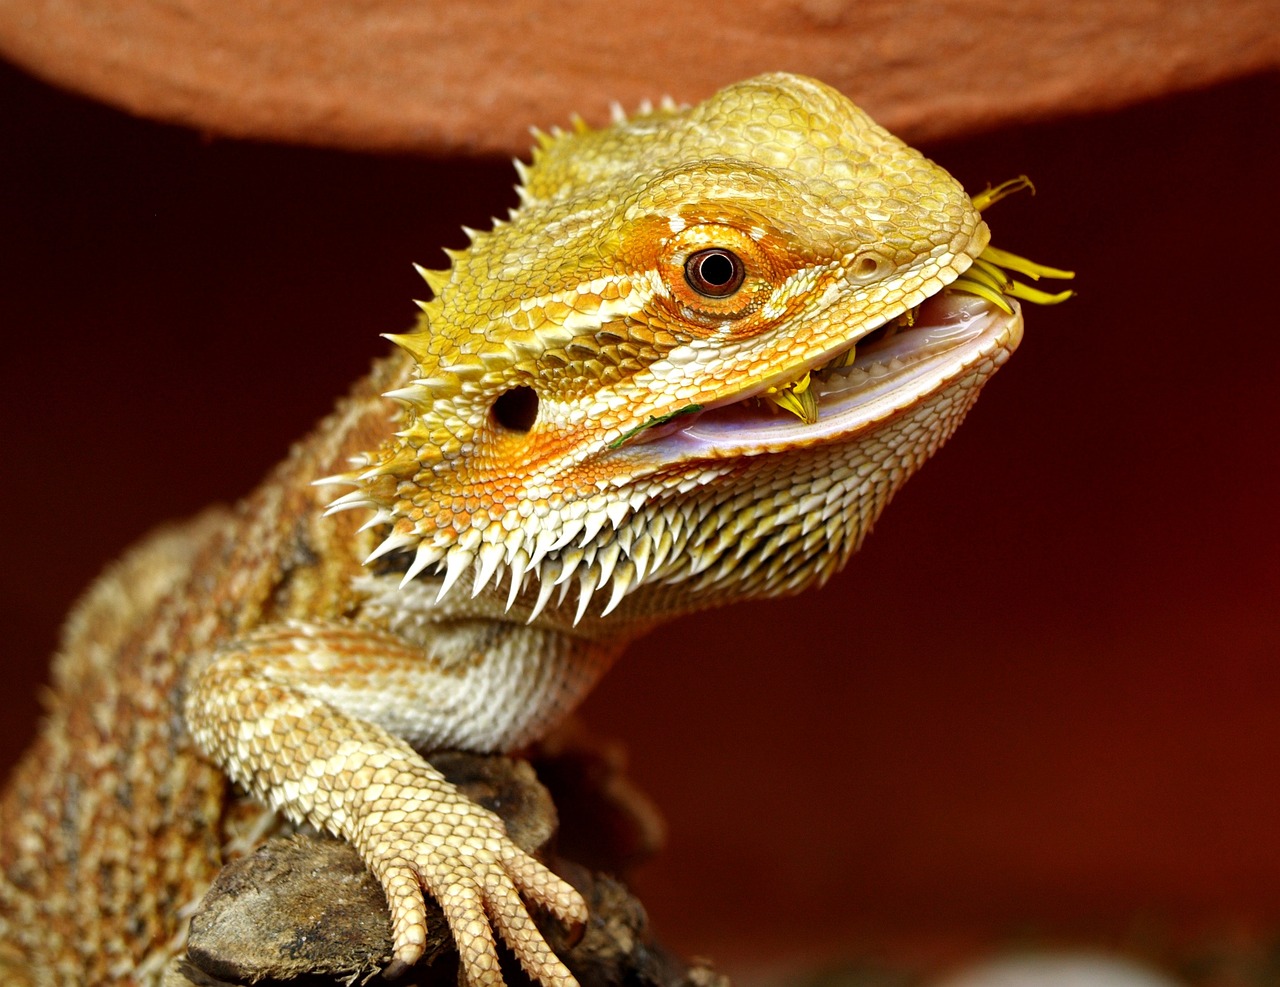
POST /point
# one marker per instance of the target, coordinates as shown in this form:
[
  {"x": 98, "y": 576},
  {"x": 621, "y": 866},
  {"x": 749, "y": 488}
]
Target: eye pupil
[
  {"x": 716, "y": 269},
  {"x": 715, "y": 273},
  {"x": 517, "y": 409}
]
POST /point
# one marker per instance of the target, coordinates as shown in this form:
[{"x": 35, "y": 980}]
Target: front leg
[{"x": 315, "y": 721}]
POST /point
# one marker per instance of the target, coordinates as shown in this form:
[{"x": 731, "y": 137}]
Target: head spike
[
  {"x": 661, "y": 541},
  {"x": 640, "y": 553},
  {"x": 436, "y": 279},
  {"x": 472, "y": 369},
  {"x": 544, "y": 539},
  {"x": 337, "y": 480},
  {"x": 411, "y": 395},
  {"x": 426, "y": 555},
  {"x": 381, "y": 516},
  {"x": 519, "y": 573},
  {"x": 564, "y": 591},
  {"x": 622, "y": 582},
  {"x": 545, "y": 589},
  {"x": 569, "y": 562},
  {"x": 541, "y": 139},
  {"x": 413, "y": 343},
  {"x": 587, "y": 583},
  {"x": 402, "y": 462},
  {"x": 607, "y": 558},
  {"x": 348, "y": 501},
  {"x": 393, "y": 542},
  {"x": 457, "y": 562},
  {"x": 513, "y": 542},
  {"x": 570, "y": 532},
  {"x": 617, "y": 512},
  {"x": 591, "y": 526},
  {"x": 490, "y": 556}
]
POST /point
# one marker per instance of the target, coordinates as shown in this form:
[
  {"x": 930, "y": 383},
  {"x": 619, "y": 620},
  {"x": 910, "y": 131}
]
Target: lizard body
[{"x": 586, "y": 439}]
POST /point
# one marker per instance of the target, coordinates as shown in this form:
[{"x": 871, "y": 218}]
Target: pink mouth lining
[{"x": 894, "y": 368}]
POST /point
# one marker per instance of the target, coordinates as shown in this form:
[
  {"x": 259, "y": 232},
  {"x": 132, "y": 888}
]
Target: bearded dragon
[{"x": 691, "y": 368}]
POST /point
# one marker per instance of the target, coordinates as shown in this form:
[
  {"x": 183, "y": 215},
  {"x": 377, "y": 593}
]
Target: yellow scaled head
[{"x": 677, "y": 266}]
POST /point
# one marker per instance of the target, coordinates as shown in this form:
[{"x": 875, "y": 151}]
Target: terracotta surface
[
  {"x": 442, "y": 77},
  {"x": 1042, "y": 700}
]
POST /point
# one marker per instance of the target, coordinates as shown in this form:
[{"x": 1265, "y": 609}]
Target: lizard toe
[
  {"x": 408, "y": 915},
  {"x": 523, "y": 937},
  {"x": 543, "y": 886}
]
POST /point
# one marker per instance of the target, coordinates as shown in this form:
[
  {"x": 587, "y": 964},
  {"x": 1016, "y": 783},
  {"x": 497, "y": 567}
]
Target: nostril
[{"x": 517, "y": 409}]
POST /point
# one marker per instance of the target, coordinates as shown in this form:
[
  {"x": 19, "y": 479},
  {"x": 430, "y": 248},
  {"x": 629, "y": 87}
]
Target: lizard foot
[{"x": 415, "y": 838}]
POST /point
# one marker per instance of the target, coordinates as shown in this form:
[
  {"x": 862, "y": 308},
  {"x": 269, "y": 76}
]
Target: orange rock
[{"x": 470, "y": 77}]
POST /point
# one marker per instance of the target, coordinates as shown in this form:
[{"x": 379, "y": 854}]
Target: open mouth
[{"x": 888, "y": 370}]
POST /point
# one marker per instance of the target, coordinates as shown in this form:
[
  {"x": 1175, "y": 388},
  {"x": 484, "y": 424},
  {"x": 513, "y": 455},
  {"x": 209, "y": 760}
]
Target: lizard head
[{"x": 682, "y": 372}]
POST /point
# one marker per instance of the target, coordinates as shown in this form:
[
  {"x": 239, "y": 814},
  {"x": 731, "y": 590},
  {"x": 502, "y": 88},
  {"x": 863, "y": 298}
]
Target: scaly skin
[{"x": 583, "y": 448}]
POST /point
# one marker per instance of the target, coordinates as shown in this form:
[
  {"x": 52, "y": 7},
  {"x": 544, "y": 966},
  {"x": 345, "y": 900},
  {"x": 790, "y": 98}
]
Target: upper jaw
[{"x": 953, "y": 333}]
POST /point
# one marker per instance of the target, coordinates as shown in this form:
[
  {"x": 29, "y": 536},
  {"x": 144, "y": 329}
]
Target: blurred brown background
[{"x": 1042, "y": 701}]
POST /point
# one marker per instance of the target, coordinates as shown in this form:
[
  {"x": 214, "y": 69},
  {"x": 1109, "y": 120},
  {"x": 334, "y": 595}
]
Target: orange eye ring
[
  {"x": 717, "y": 275},
  {"x": 714, "y": 272}
]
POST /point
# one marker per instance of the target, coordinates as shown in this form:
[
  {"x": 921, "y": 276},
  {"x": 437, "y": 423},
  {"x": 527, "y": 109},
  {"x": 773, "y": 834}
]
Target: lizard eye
[
  {"x": 715, "y": 273},
  {"x": 719, "y": 277},
  {"x": 516, "y": 410}
]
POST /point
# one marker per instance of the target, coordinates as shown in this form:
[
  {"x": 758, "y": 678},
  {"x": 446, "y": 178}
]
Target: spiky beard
[
  {"x": 609, "y": 545},
  {"x": 674, "y": 542}
]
